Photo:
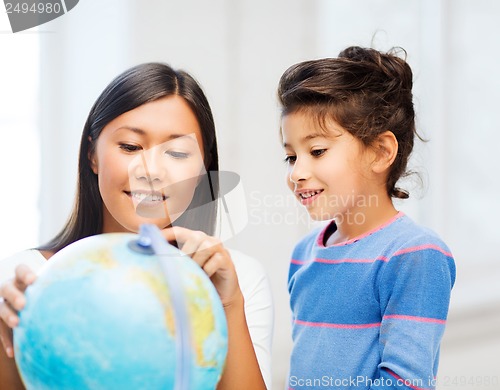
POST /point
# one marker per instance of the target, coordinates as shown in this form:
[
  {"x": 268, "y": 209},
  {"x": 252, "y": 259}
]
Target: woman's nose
[{"x": 151, "y": 166}]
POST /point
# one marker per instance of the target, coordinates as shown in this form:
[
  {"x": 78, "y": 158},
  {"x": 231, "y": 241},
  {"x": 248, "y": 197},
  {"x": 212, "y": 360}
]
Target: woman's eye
[
  {"x": 130, "y": 148},
  {"x": 318, "y": 152},
  {"x": 179, "y": 155},
  {"x": 290, "y": 159}
]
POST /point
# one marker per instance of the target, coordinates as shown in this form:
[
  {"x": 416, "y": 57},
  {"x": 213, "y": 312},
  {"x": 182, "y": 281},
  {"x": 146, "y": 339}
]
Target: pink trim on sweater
[
  {"x": 336, "y": 326},
  {"x": 414, "y": 318},
  {"x": 392, "y": 373},
  {"x": 319, "y": 241},
  {"x": 380, "y": 258},
  {"x": 339, "y": 261},
  {"x": 328, "y": 261},
  {"x": 421, "y": 248}
]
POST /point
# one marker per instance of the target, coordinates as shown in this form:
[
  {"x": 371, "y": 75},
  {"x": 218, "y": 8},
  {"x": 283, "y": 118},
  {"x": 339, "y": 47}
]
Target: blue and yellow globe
[{"x": 101, "y": 316}]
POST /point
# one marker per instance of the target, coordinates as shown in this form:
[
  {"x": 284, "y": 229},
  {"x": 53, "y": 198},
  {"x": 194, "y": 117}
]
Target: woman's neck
[{"x": 47, "y": 254}]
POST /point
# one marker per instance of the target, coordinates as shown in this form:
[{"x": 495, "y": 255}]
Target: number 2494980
[{"x": 38, "y": 8}]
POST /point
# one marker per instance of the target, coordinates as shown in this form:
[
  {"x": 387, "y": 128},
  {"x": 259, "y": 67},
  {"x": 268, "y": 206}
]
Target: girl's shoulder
[
  {"x": 409, "y": 233},
  {"x": 313, "y": 237},
  {"x": 31, "y": 257},
  {"x": 412, "y": 246}
]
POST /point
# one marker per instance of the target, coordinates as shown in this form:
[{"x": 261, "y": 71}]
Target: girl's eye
[
  {"x": 318, "y": 152},
  {"x": 178, "y": 155},
  {"x": 290, "y": 159},
  {"x": 130, "y": 148}
]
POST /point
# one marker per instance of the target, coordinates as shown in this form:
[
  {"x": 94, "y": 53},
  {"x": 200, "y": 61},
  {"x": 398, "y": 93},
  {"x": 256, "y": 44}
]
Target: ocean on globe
[{"x": 100, "y": 316}]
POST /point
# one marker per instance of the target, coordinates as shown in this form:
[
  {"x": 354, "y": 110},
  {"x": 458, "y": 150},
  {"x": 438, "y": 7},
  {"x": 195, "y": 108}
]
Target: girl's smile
[
  {"x": 327, "y": 172},
  {"x": 307, "y": 196}
]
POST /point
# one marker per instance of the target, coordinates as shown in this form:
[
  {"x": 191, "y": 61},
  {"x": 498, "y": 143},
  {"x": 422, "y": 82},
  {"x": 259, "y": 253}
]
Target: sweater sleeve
[{"x": 414, "y": 295}]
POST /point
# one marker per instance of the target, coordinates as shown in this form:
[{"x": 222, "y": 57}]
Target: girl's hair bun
[{"x": 390, "y": 64}]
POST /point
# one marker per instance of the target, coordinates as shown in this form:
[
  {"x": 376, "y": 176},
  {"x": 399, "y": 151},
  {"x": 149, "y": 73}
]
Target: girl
[
  {"x": 369, "y": 292},
  {"x": 148, "y": 141}
]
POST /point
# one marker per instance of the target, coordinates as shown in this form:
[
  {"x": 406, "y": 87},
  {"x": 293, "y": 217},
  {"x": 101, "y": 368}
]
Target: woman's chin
[{"x": 152, "y": 212}]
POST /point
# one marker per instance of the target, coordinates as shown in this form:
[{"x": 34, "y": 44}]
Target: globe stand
[{"x": 151, "y": 242}]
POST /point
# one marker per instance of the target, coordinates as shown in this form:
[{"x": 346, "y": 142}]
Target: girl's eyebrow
[
  {"x": 306, "y": 138},
  {"x": 140, "y": 131}
]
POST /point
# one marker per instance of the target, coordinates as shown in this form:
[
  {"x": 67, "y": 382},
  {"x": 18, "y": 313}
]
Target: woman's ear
[
  {"x": 92, "y": 157},
  {"x": 386, "y": 150}
]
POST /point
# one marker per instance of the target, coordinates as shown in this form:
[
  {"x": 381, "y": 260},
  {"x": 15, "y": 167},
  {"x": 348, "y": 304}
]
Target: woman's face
[{"x": 148, "y": 162}]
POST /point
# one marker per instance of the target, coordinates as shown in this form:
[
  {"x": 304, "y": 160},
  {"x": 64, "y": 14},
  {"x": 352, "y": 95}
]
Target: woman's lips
[{"x": 147, "y": 198}]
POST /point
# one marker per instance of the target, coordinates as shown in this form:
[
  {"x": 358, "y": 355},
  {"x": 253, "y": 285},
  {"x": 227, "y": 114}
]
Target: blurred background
[{"x": 238, "y": 49}]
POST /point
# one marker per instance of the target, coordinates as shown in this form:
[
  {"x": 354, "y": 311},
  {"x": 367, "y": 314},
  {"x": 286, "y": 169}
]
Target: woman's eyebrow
[
  {"x": 133, "y": 129},
  {"x": 140, "y": 131}
]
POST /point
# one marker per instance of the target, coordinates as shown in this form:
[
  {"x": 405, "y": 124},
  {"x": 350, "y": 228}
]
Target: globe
[{"x": 101, "y": 315}]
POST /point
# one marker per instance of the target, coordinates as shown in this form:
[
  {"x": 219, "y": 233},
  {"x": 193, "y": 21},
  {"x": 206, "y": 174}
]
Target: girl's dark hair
[
  {"x": 365, "y": 91},
  {"x": 136, "y": 86}
]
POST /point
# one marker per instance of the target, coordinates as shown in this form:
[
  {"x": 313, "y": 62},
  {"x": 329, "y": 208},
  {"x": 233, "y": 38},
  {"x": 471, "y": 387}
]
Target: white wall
[
  {"x": 451, "y": 48},
  {"x": 20, "y": 154},
  {"x": 238, "y": 50}
]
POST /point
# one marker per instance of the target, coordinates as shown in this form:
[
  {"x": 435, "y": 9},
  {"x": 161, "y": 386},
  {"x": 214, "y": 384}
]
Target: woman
[{"x": 146, "y": 147}]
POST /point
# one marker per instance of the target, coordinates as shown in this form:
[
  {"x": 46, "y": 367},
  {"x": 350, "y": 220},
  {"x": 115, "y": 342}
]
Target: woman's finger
[
  {"x": 192, "y": 245},
  {"x": 207, "y": 248},
  {"x": 12, "y": 295},
  {"x": 24, "y": 277},
  {"x": 176, "y": 234},
  {"x": 6, "y": 338},
  {"x": 214, "y": 264},
  {"x": 8, "y": 315},
  {"x": 188, "y": 240}
]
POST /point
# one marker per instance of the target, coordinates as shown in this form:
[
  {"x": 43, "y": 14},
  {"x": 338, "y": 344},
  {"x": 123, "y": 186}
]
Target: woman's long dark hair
[{"x": 136, "y": 86}]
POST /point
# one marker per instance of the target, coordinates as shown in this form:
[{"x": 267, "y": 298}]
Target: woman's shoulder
[
  {"x": 31, "y": 257},
  {"x": 247, "y": 267},
  {"x": 259, "y": 312},
  {"x": 252, "y": 278}
]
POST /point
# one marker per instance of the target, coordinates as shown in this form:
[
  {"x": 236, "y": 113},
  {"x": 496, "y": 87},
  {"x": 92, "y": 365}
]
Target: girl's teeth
[{"x": 309, "y": 194}]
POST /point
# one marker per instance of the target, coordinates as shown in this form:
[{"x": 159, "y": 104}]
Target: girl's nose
[{"x": 299, "y": 171}]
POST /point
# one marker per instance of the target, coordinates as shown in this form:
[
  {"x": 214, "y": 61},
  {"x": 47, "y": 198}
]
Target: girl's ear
[
  {"x": 386, "y": 150},
  {"x": 92, "y": 157}
]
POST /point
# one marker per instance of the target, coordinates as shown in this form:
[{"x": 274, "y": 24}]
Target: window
[{"x": 19, "y": 156}]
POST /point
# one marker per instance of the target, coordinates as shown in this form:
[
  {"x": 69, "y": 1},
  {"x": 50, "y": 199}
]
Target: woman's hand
[
  {"x": 212, "y": 257},
  {"x": 242, "y": 369},
  {"x": 12, "y": 300}
]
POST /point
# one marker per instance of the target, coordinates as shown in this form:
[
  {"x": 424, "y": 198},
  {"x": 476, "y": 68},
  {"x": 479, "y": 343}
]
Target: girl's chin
[{"x": 318, "y": 217}]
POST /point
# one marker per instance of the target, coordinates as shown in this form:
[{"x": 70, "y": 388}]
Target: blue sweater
[{"x": 369, "y": 313}]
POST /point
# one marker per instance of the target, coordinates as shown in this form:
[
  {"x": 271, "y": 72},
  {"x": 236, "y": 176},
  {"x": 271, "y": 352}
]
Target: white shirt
[{"x": 253, "y": 282}]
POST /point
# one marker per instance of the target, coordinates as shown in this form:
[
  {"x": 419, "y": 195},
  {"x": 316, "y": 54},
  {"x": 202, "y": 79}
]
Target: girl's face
[
  {"x": 329, "y": 173},
  {"x": 148, "y": 162}
]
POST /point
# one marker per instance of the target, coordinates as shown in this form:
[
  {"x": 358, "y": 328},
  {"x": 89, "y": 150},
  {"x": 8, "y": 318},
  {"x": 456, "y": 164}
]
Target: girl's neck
[{"x": 357, "y": 222}]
